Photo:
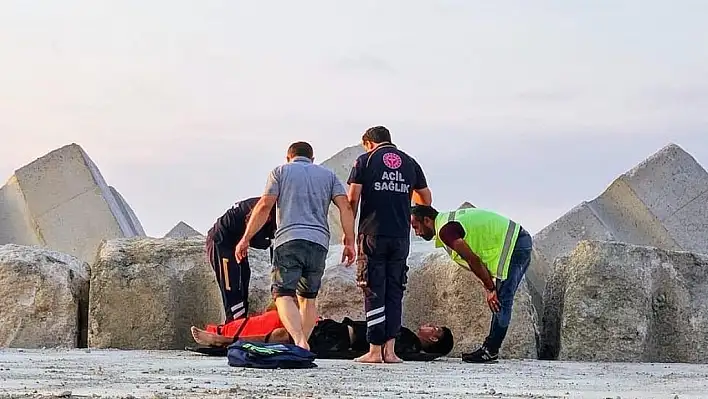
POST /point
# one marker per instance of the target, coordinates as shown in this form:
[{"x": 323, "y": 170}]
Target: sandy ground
[{"x": 163, "y": 374}]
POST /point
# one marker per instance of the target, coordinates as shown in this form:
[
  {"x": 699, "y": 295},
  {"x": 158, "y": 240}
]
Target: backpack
[
  {"x": 262, "y": 355},
  {"x": 269, "y": 356}
]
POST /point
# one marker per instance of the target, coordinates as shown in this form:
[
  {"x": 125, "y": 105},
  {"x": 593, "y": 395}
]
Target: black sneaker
[{"x": 481, "y": 355}]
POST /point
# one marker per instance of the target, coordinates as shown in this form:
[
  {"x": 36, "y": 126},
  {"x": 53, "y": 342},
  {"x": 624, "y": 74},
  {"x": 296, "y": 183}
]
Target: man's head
[
  {"x": 375, "y": 136},
  {"x": 300, "y": 149},
  {"x": 435, "y": 339},
  {"x": 423, "y": 221}
]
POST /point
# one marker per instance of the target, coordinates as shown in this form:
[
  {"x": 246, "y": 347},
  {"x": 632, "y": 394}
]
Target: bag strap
[{"x": 240, "y": 329}]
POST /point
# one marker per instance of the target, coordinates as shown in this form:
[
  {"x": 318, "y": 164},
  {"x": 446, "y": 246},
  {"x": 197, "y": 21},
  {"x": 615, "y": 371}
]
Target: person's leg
[
  {"x": 215, "y": 260},
  {"x": 245, "y": 272},
  {"x": 278, "y": 335},
  {"x": 309, "y": 285},
  {"x": 286, "y": 272},
  {"x": 233, "y": 276},
  {"x": 371, "y": 266},
  {"x": 396, "y": 277},
  {"x": 506, "y": 290}
]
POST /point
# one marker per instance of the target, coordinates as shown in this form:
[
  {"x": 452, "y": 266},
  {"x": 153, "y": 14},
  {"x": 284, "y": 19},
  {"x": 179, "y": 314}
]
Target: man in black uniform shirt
[
  {"x": 385, "y": 179},
  {"x": 234, "y": 277}
]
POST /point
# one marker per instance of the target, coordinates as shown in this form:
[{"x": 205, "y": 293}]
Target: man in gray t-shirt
[{"x": 302, "y": 193}]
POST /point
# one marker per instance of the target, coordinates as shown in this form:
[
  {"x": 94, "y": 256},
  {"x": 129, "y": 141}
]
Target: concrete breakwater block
[
  {"x": 618, "y": 302},
  {"x": 661, "y": 202},
  {"x": 44, "y": 298},
  {"x": 145, "y": 293},
  {"x": 62, "y": 201},
  {"x": 441, "y": 292},
  {"x": 341, "y": 164},
  {"x": 182, "y": 230}
]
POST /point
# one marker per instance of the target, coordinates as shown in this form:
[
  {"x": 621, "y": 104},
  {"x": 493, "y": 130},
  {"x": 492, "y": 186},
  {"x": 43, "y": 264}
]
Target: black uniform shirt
[
  {"x": 388, "y": 177},
  {"x": 230, "y": 227}
]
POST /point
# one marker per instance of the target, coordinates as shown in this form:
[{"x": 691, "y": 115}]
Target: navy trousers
[
  {"x": 382, "y": 269},
  {"x": 233, "y": 278},
  {"x": 506, "y": 290}
]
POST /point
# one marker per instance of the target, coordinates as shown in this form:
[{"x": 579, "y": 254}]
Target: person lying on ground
[{"x": 329, "y": 338}]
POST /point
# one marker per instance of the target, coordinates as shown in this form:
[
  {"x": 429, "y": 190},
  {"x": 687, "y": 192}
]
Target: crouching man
[{"x": 493, "y": 247}]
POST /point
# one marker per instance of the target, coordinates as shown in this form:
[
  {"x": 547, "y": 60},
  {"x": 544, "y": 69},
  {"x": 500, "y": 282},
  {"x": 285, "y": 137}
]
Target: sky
[{"x": 524, "y": 107}]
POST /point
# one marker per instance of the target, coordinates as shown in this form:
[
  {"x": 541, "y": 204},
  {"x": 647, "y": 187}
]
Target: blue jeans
[{"x": 506, "y": 290}]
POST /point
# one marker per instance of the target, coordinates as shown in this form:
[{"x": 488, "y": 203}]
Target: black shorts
[{"x": 298, "y": 266}]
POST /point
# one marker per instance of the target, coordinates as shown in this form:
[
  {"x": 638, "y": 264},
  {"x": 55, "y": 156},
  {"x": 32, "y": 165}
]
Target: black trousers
[
  {"x": 382, "y": 271},
  {"x": 233, "y": 278}
]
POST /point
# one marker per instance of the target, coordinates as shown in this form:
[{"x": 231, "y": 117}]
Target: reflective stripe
[
  {"x": 375, "y": 312},
  {"x": 507, "y": 247},
  {"x": 450, "y": 218},
  {"x": 240, "y": 313},
  {"x": 376, "y": 321},
  {"x": 237, "y": 306}
]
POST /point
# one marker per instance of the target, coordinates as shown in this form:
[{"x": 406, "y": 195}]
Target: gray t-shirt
[{"x": 304, "y": 192}]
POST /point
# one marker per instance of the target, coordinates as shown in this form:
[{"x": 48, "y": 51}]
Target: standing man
[
  {"x": 492, "y": 247},
  {"x": 385, "y": 179},
  {"x": 234, "y": 276},
  {"x": 302, "y": 192}
]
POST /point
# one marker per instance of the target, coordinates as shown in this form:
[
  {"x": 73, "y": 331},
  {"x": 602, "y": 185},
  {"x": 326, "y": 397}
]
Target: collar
[
  {"x": 384, "y": 144},
  {"x": 301, "y": 159}
]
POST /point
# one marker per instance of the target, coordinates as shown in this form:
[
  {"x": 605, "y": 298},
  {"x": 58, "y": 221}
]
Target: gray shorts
[{"x": 298, "y": 266}]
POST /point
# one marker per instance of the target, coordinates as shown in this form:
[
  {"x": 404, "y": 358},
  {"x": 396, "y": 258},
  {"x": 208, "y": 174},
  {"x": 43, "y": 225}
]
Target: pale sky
[{"x": 526, "y": 107}]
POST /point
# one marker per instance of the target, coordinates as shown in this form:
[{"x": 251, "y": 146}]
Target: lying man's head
[{"x": 435, "y": 339}]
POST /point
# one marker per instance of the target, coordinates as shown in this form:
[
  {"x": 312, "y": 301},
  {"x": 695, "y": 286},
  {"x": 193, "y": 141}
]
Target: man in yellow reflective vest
[{"x": 491, "y": 246}]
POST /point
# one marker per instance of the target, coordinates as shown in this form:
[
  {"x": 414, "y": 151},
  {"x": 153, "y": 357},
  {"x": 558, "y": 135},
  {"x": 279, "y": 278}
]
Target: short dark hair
[
  {"x": 444, "y": 344},
  {"x": 422, "y": 211},
  {"x": 377, "y": 135},
  {"x": 300, "y": 149}
]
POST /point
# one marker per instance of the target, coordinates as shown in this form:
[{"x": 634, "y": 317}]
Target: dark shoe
[{"x": 481, "y": 355}]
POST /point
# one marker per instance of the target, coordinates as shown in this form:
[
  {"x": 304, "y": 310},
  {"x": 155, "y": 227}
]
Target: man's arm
[
  {"x": 262, "y": 209},
  {"x": 346, "y": 215},
  {"x": 355, "y": 181},
  {"x": 259, "y": 215},
  {"x": 423, "y": 196},
  {"x": 421, "y": 193},
  {"x": 353, "y": 196},
  {"x": 452, "y": 235}
]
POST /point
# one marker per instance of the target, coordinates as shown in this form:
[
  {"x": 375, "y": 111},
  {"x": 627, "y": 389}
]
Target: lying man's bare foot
[
  {"x": 369, "y": 357},
  {"x": 206, "y": 338}
]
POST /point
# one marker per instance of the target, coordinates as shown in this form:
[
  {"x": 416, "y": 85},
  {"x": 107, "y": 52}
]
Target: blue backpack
[{"x": 268, "y": 355}]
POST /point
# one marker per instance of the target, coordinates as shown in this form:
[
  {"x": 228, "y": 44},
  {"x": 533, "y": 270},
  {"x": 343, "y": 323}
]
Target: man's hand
[
  {"x": 241, "y": 251},
  {"x": 348, "y": 254},
  {"x": 493, "y": 300}
]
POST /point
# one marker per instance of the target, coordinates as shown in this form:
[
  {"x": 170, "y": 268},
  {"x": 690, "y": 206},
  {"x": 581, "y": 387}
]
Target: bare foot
[
  {"x": 369, "y": 358},
  {"x": 391, "y": 358},
  {"x": 304, "y": 345},
  {"x": 206, "y": 338}
]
